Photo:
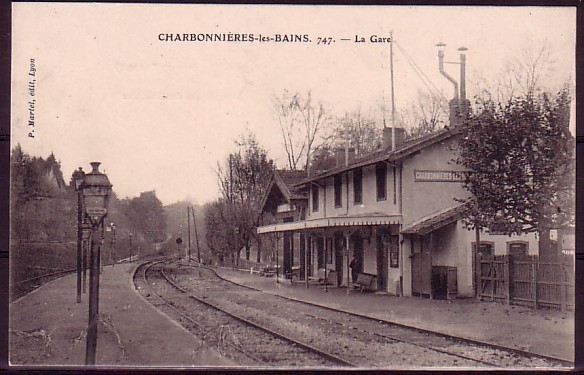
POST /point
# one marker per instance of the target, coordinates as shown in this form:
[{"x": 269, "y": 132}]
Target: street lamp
[
  {"x": 86, "y": 237},
  {"x": 78, "y": 177},
  {"x": 96, "y": 190}
]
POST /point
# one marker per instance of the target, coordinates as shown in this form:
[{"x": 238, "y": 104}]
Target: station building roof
[
  {"x": 435, "y": 221},
  {"x": 403, "y": 150}
]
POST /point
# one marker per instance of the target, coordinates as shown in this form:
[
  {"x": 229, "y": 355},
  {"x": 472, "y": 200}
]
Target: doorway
[
  {"x": 421, "y": 266},
  {"x": 319, "y": 243},
  {"x": 338, "y": 248},
  {"x": 288, "y": 253},
  {"x": 486, "y": 251},
  {"x": 383, "y": 245},
  {"x": 357, "y": 242}
]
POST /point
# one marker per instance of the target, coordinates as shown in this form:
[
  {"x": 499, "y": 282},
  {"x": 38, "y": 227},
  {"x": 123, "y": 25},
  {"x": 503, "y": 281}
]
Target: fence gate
[
  {"x": 525, "y": 280},
  {"x": 493, "y": 280}
]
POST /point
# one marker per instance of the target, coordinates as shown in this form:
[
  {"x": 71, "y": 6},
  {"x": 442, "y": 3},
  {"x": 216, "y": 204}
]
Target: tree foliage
[
  {"x": 243, "y": 179},
  {"x": 42, "y": 208},
  {"x": 359, "y": 131},
  {"x": 521, "y": 161},
  {"x": 147, "y": 215}
]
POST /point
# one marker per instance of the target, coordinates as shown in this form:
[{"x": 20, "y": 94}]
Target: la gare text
[{"x": 264, "y": 38}]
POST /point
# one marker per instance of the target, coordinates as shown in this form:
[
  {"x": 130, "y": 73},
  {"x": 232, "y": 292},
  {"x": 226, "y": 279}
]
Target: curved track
[
  {"x": 264, "y": 346},
  {"x": 342, "y": 338}
]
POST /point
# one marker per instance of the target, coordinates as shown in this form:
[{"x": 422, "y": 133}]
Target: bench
[
  {"x": 331, "y": 277},
  {"x": 364, "y": 282},
  {"x": 293, "y": 273},
  {"x": 267, "y": 272}
]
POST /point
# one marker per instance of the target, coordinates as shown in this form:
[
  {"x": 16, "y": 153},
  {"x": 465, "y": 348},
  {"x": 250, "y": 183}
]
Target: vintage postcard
[{"x": 292, "y": 187}]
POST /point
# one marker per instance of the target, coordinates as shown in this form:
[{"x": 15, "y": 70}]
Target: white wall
[{"x": 370, "y": 204}]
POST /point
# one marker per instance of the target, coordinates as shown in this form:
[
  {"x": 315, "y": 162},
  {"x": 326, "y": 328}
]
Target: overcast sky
[{"x": 160, "y": 115}]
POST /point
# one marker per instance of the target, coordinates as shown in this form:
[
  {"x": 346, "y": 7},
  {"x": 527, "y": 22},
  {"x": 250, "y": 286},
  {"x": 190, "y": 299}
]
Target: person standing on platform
[{"x": 355, "y": 269}]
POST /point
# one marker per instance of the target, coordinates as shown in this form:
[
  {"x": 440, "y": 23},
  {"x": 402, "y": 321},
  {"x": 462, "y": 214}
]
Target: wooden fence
[{"x": 526, "y": 281}]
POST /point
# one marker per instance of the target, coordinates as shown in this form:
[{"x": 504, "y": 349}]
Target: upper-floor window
[
  {"x": 338, "y": 185},
  {"x": 381, "y": 179},
  {"x": 314, "y": 197},
  {"x": 358, "y": 186}
]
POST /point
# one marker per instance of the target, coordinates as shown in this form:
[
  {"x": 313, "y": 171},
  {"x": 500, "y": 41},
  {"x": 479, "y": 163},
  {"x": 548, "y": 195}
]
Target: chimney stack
[
  {"x": 400, "y": 134},
  {"x": 459, "y": 106},
  {"x": 344, "y": 156}
]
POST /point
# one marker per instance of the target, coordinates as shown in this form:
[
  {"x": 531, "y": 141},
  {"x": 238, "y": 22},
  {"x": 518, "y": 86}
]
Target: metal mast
[{"x": 392, "y": 92}]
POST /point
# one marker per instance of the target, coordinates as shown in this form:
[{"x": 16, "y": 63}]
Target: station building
[
  {"x": 397, "y": 212},
  {"x": 394, "y": 211}
]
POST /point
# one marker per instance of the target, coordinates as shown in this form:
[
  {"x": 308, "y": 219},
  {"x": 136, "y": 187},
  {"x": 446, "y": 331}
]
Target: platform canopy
[
  {"x": 435, "y": 221},
  {"x": 343, "y": 221}
]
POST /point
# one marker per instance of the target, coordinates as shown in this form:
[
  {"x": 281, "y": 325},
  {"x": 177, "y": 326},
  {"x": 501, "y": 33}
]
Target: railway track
[
  {"x": 23, "y": 287},
  {"x": 347, "y": 339},
  {"x": 227, "y": 331},
  {"x": 559, "y": 362}
]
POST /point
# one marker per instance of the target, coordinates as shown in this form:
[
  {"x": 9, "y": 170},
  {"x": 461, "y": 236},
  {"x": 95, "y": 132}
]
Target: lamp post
[
  {"x": 78, "y": 177},
  {"x": 96, "y": 190},
  {"x": 86, "y": 237},
  {"x": 113, "y": 245}
]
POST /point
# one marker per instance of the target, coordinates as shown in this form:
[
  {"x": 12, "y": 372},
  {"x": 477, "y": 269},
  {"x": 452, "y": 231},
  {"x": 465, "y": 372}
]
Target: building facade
[{"x": 396, "y": 212}]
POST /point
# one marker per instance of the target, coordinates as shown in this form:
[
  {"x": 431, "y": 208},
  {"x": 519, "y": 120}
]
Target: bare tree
[
  {"x": 243, "y": 181},
  {"x": 526, "y": 74},
  {"x": 301, "y": 123},
  {"x": 426, "y": 115}
]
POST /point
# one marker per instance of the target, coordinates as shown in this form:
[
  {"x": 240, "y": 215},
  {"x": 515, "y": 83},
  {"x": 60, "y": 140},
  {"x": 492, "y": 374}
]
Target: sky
[{"x": 159, "y": 115}]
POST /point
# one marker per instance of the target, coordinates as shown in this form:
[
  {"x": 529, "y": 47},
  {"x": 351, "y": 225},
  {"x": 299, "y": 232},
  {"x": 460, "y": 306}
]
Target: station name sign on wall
[{"x": 438, "y": 176}]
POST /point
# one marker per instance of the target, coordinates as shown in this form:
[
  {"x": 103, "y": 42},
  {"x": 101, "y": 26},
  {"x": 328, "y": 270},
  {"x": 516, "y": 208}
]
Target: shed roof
[{"x": 436, "y": 220}]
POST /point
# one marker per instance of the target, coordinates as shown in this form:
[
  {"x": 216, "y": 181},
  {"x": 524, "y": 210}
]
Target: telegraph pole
[
  {"x": 130, "y": 247},
  {"x": 79, "y": 244},
  {"x": 196, "y": 235},
  {"x": 392, "y": 93},
  {"x": 188, "y": 234}
]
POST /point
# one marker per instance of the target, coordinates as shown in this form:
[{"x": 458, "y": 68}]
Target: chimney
[
  {"x": 400, "y": 134},
  {"x": 459, "y": 106},
  {"x": 350, "y": 155},
  {"x": 344, "y": 156}
]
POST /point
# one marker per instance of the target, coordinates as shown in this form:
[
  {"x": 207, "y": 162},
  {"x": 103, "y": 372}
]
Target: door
[
  {"x": 319, "y": 242},
  {"x": 357, "y": 242},
  {"x": 421, "y": 267},
  {"x": 302, "y": 256},
  {"x": 383, "y": 244},
  {"x": 309, "y": 257},
  {"x": 288, "y": 253},
  {"x": 338, "y": 244},
  {"x": 486, "y": 251}
]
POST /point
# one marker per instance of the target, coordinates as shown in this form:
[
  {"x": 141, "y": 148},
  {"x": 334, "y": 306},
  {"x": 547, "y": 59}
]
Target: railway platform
[
  {"x": 545, "y": 332},
  {"x": 47, "y": 328}
]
